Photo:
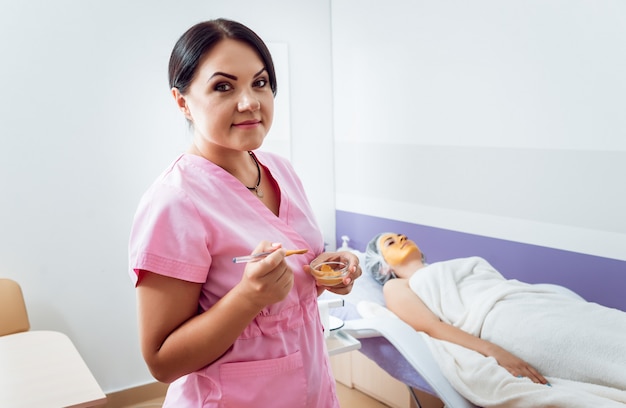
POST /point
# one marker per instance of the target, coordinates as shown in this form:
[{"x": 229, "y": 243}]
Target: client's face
[{"x": 397, "y": 248}]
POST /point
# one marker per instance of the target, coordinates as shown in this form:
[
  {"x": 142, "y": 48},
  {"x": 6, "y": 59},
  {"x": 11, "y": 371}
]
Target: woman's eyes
[
  {"x": 260, "y": 83},
  {"x": 225, "y": 86},
  {"x": 389, "y": 242}
]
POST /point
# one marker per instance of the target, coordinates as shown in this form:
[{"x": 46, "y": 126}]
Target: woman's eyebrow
[
  {"x": 233, "y": 77},
  {"x": 224, "y": 74}
]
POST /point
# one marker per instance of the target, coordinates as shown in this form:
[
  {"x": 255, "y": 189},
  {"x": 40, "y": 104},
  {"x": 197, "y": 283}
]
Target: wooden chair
[
  {"x": 39, "y": 367},
  {"x": 13, "y": 315}
]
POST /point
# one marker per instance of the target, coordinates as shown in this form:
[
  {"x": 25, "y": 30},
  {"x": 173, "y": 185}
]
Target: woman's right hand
[{"x": 268, "y": 280}]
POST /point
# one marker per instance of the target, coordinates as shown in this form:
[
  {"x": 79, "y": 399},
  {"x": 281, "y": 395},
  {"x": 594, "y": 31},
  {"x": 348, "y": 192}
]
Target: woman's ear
[{"x": 181, "y": 102}]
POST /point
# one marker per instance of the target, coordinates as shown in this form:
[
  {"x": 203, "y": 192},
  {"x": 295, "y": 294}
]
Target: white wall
[
  {"x": 497, "y": 118},
  {"x": 87, "y": 122}
]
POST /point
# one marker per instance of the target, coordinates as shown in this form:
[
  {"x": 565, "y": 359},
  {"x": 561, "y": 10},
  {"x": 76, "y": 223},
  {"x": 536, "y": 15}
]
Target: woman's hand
[
  {"x": 514, "y": 365},
  {"x": 354, "y": 270},
  {"x": 268, "y": 280}
]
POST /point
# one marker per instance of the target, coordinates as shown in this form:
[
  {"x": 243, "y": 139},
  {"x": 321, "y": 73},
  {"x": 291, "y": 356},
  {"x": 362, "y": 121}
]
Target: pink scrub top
[{"x": 189, "y": 225}]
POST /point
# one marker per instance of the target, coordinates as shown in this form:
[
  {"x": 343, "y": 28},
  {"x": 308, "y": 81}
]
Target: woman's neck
[{"x": 407, "y": 268}]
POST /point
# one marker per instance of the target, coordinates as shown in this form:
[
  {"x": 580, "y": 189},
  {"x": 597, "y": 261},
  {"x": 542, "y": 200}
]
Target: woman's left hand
[{"x": 354, "y": 270}]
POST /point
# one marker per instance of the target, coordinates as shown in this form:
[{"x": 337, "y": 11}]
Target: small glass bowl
[{"x": 330, "y": 273}]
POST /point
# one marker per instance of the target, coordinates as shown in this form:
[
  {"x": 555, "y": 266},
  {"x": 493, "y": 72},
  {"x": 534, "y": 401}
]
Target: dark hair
[{"x": 201, "y": 38}]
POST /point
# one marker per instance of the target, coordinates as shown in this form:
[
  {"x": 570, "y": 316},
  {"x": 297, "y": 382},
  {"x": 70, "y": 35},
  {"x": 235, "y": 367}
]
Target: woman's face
[
  {"x": 397, "y": 248},
  {"x": 229, "y": 101}
]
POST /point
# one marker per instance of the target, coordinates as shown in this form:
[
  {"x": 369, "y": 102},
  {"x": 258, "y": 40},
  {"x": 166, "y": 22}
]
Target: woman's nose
[{"x": 248, "y": 102}]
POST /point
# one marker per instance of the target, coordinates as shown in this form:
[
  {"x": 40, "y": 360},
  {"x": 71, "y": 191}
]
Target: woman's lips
[{"x": 248, "y": 123}]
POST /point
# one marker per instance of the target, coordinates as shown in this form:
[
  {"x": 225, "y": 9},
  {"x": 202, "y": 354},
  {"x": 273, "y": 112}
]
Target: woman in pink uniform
[{"x": 230, "y": 334}]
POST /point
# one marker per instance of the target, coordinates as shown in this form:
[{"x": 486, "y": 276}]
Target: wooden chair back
[{"x": 13, "y": 315}]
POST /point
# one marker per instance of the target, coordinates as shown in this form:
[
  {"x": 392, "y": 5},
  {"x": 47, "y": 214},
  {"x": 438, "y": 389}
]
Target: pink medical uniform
[{"x": 189, "y": 225}]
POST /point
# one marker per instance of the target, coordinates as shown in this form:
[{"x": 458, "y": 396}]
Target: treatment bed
[
  {"x": 392, "y": 344},
  {"x": 407, "y": 355}
]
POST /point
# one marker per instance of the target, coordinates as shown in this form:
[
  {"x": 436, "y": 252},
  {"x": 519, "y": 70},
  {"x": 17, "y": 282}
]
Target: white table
[
  {"x": 337, "y": 341},
  {"x": 340, "y": 342},
  {"x": 43, "y": 369}
]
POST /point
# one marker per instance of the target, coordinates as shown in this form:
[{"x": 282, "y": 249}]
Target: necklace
[{"x": 258, "y": 192}]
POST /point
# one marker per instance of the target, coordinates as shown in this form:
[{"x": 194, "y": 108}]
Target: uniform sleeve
[{"x": 168, "y": 237}]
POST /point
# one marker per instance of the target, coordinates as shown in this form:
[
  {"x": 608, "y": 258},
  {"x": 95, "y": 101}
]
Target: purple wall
[{"x": 597, "y": 279}]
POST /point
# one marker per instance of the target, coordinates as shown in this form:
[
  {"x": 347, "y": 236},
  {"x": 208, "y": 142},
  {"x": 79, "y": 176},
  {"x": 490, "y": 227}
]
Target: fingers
[
  {"x": 518, "y": 367},
  {"x": 341, "y": 289},
  {"x": 353, "y": 267},
  {"x": 355, "y": 272},
  {"x": 283, "y": 275},
  {"x": 269, "y": 279},
  {"x": 276, "y": 269},
  {"x": 345, "y": 286},
  {"x": 269, "y": 263},
  {"x": 536, "y": 377},
  {"x": 532, "y": 374}
]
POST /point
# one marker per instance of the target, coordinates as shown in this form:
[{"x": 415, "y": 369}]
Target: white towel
[{"x": 470, "y": 294}]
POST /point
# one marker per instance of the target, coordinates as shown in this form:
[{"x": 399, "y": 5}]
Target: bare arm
[
  {"x": 409, "y": 307},
  {"x": 176, "y": 340}
]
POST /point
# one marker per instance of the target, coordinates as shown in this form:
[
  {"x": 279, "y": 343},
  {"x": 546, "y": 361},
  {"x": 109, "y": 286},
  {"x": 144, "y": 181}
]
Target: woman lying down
[{"x": 505, "y": 342}]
